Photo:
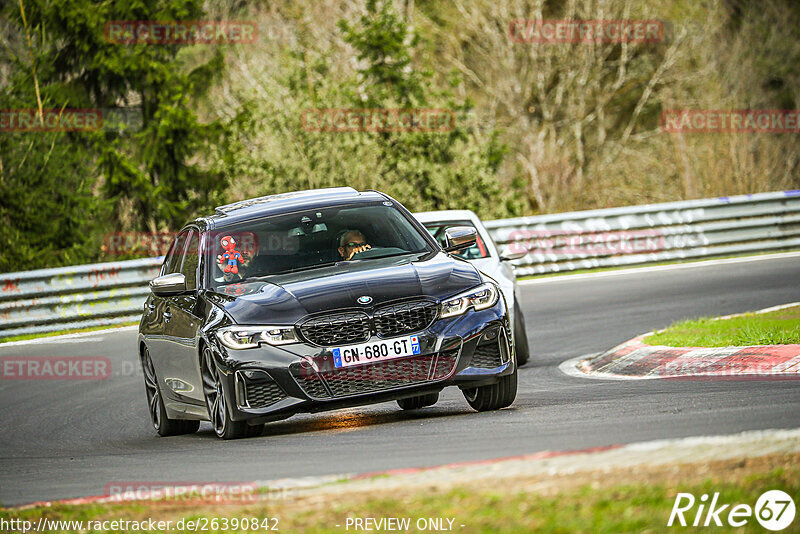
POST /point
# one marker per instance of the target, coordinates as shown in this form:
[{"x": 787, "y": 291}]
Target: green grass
[
  {"x": 773, "y": 328},
  {"x": 69, "y": 331},
  {"x": 623, "y": 508},
  {"x": 639, "y": 506}
]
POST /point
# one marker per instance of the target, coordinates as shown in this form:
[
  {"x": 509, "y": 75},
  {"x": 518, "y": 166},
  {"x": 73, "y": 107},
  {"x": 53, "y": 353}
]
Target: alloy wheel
[
  {"x": 151, "y": 388},
  {"x": 212, "y": 388}
]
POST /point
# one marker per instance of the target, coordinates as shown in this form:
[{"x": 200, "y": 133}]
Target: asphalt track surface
[{"x": 64, "y": 439}]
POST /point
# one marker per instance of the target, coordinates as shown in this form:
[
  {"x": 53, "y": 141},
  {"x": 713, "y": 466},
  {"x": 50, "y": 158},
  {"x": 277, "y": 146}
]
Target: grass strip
[
  {"x": 773, "y": 328},
  {"x": 25, "y": 337}
]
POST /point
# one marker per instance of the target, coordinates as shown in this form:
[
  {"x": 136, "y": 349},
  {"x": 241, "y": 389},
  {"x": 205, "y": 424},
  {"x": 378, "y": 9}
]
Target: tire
[
  {"x": 414, "y": 403},
  {"x": 253, "y": 431},
  {"x": 163, "y": 425},
  {"x": 493, "y": 396},
  {"x": 218, "y": 413},
  {"x": 520, "y": 336}
]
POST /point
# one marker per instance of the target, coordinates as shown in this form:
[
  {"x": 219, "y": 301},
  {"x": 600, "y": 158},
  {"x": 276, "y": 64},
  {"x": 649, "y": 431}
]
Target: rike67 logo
[{"x": 774, "y": 510}]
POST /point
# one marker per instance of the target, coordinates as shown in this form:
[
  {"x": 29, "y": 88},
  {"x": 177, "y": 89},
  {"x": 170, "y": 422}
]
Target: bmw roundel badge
[{"x": 364, "y": 299}]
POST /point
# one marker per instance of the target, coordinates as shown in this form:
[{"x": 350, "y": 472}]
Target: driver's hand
[{"x": 358, "y": 249}]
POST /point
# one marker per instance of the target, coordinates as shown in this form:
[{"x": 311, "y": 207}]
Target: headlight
[
  {"x": 478, "y": 298},
  {"x": 247, "y": 337}
]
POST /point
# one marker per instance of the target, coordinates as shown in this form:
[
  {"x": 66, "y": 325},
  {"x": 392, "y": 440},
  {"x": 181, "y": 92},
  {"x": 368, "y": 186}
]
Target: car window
[
  {"x": 172, "y": 262},
  {"x": 478, "y": 250},
  {"x": 309, "y": 239},
  {"x": 190, "y": 261}
]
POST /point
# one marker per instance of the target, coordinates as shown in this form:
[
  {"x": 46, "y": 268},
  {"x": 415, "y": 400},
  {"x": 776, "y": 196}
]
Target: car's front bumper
[{"x": 270, "y": 383}]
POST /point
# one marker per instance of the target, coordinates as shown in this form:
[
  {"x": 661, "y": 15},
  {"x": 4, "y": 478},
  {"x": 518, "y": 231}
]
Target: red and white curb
[
  {"x": 542, "y": 464},
  {"x": 635, "y": 359}
]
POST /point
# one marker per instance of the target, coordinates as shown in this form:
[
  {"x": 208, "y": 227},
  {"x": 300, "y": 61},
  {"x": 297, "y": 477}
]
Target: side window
[
  {"x": 172, "y": 263},
  {"x": 191, "y": 260}
]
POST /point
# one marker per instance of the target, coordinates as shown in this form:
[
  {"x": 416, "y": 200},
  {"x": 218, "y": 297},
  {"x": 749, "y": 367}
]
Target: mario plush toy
[{"x": 231, "y": 255}]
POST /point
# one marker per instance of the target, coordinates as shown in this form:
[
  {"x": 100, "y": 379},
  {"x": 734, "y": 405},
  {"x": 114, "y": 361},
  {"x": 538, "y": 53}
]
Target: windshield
[
  {"x": 476, "y": 251},
  {"x": 308, "y": 239}
]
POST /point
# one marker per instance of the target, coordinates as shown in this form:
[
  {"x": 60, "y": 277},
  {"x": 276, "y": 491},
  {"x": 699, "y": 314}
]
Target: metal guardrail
[
  {"x": 111, "y": 293},
  {"x": 652, "y": 233},
  {"x": 99, "y": 294}
]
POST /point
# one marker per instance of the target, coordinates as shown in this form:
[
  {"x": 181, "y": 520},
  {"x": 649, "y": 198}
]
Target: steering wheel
[
  {"x": 366, "y": 253},
  {"x": 376, "y": 252}
]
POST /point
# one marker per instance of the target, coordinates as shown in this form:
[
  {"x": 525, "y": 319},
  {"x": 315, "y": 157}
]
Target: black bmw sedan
[{"x": 317, "y": 300}]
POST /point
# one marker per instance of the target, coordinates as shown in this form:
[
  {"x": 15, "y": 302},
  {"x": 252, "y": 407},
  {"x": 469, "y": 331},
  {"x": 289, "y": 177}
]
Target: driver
[{"x": 352, "y": 242}]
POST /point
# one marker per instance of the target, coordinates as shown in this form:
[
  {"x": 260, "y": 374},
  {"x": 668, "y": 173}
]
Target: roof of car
[
  {"x": 288, "y": 202},
  {"x": 445, "y": 215}
]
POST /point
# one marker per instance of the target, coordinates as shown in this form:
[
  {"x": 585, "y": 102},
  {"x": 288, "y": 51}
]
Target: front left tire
[
  {"x": 155, "y": 403},
  {"x": 494, "y": 396},
  {"x": 218, "y": 413}
]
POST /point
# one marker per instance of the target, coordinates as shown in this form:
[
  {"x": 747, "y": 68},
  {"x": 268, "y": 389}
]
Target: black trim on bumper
[{"x": 455, "y": 351}]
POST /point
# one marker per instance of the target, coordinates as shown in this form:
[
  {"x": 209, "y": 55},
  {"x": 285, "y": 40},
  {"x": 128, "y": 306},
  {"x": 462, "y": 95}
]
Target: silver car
[{"x": 485, "y": 256}]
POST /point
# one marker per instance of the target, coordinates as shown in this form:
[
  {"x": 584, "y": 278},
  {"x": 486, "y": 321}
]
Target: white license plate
[{"x": 375, "y": 351}]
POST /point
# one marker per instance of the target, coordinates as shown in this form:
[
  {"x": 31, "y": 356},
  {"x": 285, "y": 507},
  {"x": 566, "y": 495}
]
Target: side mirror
[
  {"x": 169, "y": 284},
  {"x": 513, "y": 253},
  {"x": 459, "y": 238}
]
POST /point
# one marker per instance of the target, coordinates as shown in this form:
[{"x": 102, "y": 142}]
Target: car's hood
[{"x": 284, "y": 299}]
